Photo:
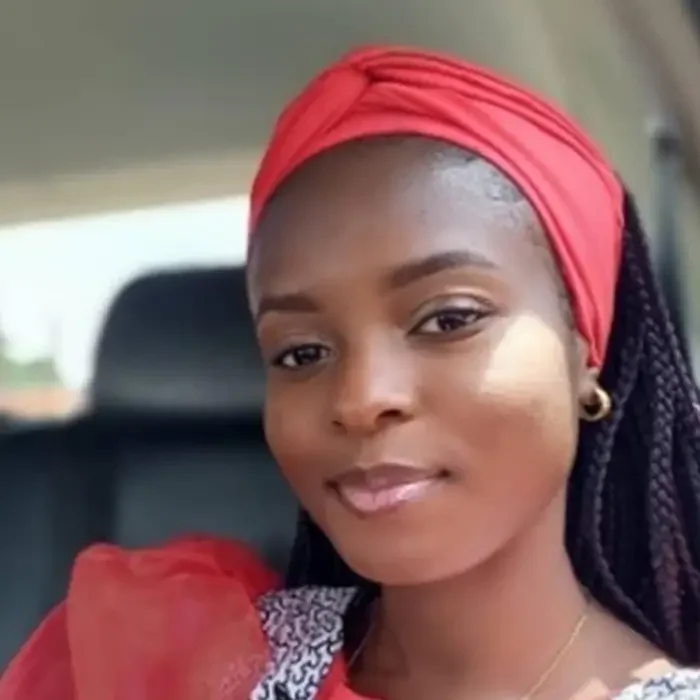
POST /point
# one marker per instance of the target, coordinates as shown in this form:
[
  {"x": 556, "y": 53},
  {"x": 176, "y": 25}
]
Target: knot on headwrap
[{"x": 383, "y": 91}]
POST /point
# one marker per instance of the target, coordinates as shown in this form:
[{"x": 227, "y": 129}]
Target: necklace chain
[
  {"x": 537, "y": 685},
  {"x": 559, "y": 656}
]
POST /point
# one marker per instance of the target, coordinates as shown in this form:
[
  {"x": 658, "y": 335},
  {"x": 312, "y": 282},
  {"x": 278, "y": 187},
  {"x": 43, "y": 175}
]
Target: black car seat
[
  {"x": 178, "y": 389},
  {"x": 171, "y": 443}
]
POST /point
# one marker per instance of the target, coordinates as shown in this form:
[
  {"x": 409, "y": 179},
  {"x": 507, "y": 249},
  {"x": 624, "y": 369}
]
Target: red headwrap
[{"x": 379, "y": 91}]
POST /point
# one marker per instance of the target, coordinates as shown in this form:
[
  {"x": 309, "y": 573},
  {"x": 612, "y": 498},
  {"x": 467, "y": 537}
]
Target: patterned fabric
[
  {"x": 305, "y": 631},
  {"x": 683, "y": 684},
  {"x": 304, "y": 627}
]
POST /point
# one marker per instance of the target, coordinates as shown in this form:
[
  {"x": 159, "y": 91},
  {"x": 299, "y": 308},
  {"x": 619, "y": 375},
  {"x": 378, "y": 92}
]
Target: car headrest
[{"x": 180, "y": 344}]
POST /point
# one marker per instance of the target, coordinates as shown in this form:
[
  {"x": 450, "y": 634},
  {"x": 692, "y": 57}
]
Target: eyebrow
[
  {"x": 416, "y": 270},
  {"x": 290, "y": 303},
  {"x": 398, "y": 277}
]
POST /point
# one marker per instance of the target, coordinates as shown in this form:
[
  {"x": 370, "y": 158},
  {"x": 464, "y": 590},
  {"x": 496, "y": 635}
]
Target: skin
[{"x": 469, "y": 366}]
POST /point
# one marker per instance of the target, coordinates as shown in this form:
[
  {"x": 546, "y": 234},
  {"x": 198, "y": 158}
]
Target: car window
[{"x": 59, "y": 278}]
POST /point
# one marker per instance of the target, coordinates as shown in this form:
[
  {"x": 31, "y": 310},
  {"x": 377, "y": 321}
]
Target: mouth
[{"x": 383, "y": 488}]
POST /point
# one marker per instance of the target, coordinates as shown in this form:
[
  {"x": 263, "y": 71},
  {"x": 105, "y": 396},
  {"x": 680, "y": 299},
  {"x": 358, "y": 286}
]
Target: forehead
[{"x": 366, "y": 207}]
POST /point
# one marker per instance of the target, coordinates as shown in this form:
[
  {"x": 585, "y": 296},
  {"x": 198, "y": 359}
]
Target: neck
[{"x": 500, "y": 624}]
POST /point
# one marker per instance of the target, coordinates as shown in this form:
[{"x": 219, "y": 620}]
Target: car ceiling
[{"x": 111, "y": 104}]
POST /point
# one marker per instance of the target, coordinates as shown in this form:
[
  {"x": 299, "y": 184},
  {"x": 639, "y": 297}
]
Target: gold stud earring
[{"x": 599, "y": 408}]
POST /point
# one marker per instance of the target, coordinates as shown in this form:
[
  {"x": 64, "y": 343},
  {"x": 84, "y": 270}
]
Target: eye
[
  {"x": 301, "y": 356},
  {"x": 448, "y": 321}
]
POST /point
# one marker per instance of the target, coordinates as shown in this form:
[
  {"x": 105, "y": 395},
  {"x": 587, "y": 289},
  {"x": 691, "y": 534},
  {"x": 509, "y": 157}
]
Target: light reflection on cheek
[
  {"x": 514, "y": 390},
  {"x": 529, "y": 356}
]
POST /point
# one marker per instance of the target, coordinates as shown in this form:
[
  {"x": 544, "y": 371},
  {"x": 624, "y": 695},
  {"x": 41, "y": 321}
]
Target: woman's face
[{"x": 424, "y": 382}]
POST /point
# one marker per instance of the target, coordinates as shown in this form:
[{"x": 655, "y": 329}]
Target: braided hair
[
  {"x": 633, "y": 520},
  {"x": 633, "y": 511}
]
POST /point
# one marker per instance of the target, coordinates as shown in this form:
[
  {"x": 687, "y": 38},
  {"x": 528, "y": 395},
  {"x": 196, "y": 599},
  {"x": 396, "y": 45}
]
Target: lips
[{"x": 376, "y": 489}]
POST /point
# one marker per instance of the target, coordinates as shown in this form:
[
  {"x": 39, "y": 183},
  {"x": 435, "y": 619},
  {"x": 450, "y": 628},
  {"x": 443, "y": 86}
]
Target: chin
[
  {"x": 406, "y": 569},
  {"x": 420, "y": 549}
]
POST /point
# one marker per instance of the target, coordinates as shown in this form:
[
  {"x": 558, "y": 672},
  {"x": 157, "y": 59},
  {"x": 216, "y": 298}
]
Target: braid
[
  {"x": 633, "y": 516},
  {"x": 634, "y": 494}
]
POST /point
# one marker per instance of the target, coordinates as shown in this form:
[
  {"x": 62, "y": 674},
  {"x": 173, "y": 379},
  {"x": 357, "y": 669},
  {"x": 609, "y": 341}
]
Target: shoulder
[
  {"x": 304, "y": 631},
  {"x": 681, "y": 684}
]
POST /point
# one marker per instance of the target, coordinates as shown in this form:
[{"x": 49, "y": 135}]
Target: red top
[
  {"x": 179, "y": 623},
  {"x": 174, "y": 623}
]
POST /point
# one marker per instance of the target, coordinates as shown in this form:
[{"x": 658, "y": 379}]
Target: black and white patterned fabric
[
  {"x": 304, "y": 627},
  {"x": 683, "y": 684}
]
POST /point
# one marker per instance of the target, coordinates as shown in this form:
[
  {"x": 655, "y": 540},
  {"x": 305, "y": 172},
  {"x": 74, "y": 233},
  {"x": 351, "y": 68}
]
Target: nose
[{"x": 374, "y": 388}]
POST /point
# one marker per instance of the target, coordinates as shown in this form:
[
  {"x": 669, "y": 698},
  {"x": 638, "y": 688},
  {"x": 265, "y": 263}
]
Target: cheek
[
  {"x": 518, "y": 410},
  {"x": 528, "y": 375},
  {"x": 511, "y": 418},
  {"x": 292, "y": 433}
]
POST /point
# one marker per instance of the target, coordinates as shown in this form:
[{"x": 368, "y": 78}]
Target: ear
[{"x": 585, "y": 376}]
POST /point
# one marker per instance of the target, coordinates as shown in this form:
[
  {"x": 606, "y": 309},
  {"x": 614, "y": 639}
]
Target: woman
[{"x": 476, "y": 393}]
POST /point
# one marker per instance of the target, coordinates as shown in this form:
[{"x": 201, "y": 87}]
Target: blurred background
[{"x": 129, "y": 133}]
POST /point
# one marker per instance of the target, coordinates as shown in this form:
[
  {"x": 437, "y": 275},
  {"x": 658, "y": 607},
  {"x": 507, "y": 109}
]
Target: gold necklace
[
  {"x": 559, "y": 656},
  {"x": 536, "y": 686}
]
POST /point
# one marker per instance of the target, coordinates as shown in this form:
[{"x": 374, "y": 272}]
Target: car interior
[{"x": 168, "y": 439}]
